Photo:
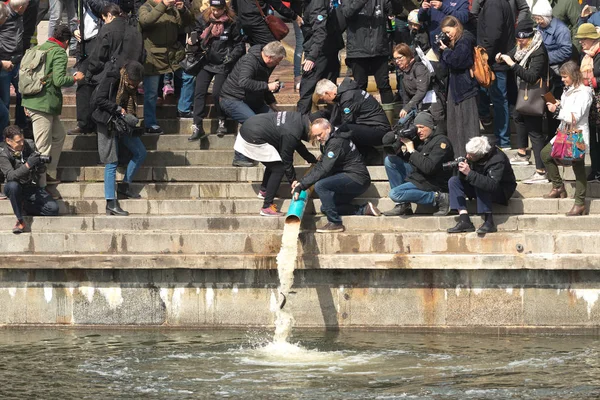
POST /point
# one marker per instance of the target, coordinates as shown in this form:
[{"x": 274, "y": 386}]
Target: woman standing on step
[
  {"x": 115, "y": 97},
  {"x": 573, "y": 107},
  {"x": 219, "y": 36}
]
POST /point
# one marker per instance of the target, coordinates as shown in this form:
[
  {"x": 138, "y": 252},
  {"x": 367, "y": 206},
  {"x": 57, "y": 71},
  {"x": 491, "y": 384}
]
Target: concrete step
[
  {"x": 141, "y": 224},
  {"x": 535, "y": 206},
  {"x": 450, "y": 261},
  {"x": 404, "y": 243},
  {"x": 167, "y": 142},
  {"x": 247, "y": 190},
  {"x": 232, "y": 174},
  {"x": 174, "y": 125}
]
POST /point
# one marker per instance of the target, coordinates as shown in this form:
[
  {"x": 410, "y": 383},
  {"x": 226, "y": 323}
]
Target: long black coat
[{"x": 496, "y": 30}]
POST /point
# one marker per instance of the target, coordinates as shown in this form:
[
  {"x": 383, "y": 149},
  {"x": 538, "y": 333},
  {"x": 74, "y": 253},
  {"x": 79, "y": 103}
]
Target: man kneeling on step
[
  {"x": 416, "y": 174},
  {"x": 23, "y": 166},
  {"x": 486, "y": 176}
]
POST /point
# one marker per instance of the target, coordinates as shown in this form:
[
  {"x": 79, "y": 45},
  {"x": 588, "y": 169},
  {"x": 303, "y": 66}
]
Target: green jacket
[
  {"x": 160, "y": 27},
  {"x": 568, "y": 11},
  {"x": 50, "y": 99}
]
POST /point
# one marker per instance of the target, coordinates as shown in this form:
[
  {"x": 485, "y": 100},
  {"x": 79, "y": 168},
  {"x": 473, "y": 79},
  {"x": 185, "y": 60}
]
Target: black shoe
[
  {"x": 331, "y": 227},
  {"x": 187, "y": 114},
  {"x": 487, "y": 227},
  {"x": 243, "y": 163},
  {"x": 124, "y": 190},
  {"x": 399, "y": 209},
  {"x": 462, "y": 226},
  {"x": 113, "y": 208},
  {"x": 593, "y": 177},
  {"x": 197, "y": 133},
  {"x": 51, "y": 181},
  {"x": 443, "y": 204},
  {"x": 221, "y": 130},
  {"x": 154, "y": 130}
]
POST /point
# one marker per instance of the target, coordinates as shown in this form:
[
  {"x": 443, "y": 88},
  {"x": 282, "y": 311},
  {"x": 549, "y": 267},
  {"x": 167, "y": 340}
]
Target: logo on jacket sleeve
[
  {"x": 346, "y": 110},
  {"x": 320, "y": 18},
  {"x": 330, "y": 154}
]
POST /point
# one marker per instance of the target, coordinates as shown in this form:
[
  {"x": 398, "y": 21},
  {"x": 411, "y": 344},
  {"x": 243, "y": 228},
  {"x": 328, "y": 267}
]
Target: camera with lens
[
  {"x": 443, "y": 37},
  {"x": 44, "y": 159},
  {"x": 281, "y": 86},
  {"x": 404, "y": 128},
  {"x": 453, "y": 164}
]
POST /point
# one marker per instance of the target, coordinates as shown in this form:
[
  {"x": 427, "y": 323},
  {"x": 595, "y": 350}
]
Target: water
[
  {"x": 78, "y": 364},
  {"x": 286, "y": 262}
]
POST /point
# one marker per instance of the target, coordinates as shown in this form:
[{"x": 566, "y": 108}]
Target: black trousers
[
  {"x": 594, "y": 145},
  {"x": 271, "y": 180},
  {"x": 376, "y": 66},
  {"x": 30, "y": 22},
  {"x": 83, "y": 94},
  {"x": 202, "y": 83},
  {"x": 258, "y": 34},
  {"x": 33, "y": 199},
  {"x": 364, "y": 135},
  {"x": 327, "y": 66},
  {"x": 531, "y": 127}
]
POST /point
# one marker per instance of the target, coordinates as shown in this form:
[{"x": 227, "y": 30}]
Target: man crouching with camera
[
  {"x": 23, "y": 165},
  {"x": 486, "y": 175},
  {"x": 416, "y": 174}
]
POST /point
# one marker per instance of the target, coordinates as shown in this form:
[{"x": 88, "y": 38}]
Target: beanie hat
[
  {"x": 425, "y": 119},
  {"x": 524, "y": 29},
  {"x": 217, "y": 3},
  {"x": 413, "y": 17},
  {"x": 542, "y": 8}
]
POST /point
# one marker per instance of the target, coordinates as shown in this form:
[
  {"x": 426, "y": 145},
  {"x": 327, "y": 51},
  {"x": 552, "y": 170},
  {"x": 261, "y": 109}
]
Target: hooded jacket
[
  {"x": 427, "y": 160},
  {"x": 284, "y": 131},
  {"x": 339, "y": 156},
  {"x": 11, "y": 38},
  {"x": 496, "y": 30},
  {"x": 493, "y": 174},
  {"x": 249, "y": 80},
  {"x": 366, "y": 27},
  {"x": 14, "y": 168},
  {"x": 355, "y": 106}
]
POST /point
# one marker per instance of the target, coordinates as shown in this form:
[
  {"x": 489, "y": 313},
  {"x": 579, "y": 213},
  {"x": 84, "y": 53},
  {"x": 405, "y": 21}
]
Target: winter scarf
[
  {"x": 522, "y": 55},
  {"x": 125, "y": 95},
  {"x": 215, "y": 28}
]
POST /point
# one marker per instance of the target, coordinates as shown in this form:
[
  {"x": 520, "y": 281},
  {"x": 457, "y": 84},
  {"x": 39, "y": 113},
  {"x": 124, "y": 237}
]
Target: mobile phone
[{"x": 194, "y": 37}]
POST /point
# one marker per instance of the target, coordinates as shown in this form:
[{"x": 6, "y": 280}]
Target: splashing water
[{"x": 286, "y": 262}]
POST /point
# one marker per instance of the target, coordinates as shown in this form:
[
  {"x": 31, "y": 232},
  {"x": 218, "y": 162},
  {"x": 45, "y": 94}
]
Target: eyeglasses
[{"x": 399, "y": 58}]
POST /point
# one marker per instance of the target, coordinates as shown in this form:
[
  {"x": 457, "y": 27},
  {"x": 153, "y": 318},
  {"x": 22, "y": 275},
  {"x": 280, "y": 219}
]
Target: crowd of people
[{"x": 161, "y": 48}]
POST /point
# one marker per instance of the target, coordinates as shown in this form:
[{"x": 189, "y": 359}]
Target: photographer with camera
[
  {"x": 485, "y": 175},
  {"x": 23, "y": 166},
  {"x": 416, "y": 176}
]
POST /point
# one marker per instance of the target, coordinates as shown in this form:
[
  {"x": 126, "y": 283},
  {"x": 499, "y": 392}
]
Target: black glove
[
  {"x": 298, "y": 189},
  {"x": 34, "y": 160},
  {"x": 313, "y": 160}
]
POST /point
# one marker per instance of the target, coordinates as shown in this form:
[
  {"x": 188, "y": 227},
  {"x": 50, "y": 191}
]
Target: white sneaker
[
  {"x": 537, "y": 178},
  {"x": 519, "y": 160}
]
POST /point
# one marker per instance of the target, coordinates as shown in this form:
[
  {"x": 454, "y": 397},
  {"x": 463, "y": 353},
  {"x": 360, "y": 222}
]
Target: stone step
[
  {"x": 246, "y": 190},
  {"x": 536, "y": 206},
  {"x": 174, "y": 125},
  {"x": 141, "y": 224},
  {"x": 232, "y": 174},
  {"x": 167, "y": 142},
  {"x": 448, "y": 261},
  {"x": 401, "y": 243}
]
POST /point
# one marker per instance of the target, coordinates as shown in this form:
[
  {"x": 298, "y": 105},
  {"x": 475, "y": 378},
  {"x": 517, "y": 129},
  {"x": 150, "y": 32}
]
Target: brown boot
[
  {"x": 555, "y": 193},
  {"x": 576, "y": 210}
]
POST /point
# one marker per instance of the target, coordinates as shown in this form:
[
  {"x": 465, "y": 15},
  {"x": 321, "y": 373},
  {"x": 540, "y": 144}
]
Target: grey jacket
[
  {"x": 11, "y": 38},
  {"x": 515, "y": 5}
]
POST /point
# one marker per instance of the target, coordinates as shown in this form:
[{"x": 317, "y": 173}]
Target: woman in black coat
[
  {"x": 218, "y": 34},
  {"x": 529, "y": 62},
  {"x": 457, "y": 56},
  {"x": 115, "y": 97}
]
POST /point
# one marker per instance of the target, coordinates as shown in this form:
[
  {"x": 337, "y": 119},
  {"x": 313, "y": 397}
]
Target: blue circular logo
[
  {"x": 346, "y": 110},
  {"x": 330, "y": 154}
]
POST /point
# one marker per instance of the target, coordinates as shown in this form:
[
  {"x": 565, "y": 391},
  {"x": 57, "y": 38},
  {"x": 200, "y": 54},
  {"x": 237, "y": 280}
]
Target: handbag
[
  {"x": 568, "y": 145},
  {"x": 277, "y": 27},
  {"x": 192, "y": 63},
  {"x": 530, "y": 98}
]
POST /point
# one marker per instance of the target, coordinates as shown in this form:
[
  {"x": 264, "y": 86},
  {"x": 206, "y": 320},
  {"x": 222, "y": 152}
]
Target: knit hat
[
  {"x": 524, "y": 29},
  {"x": 542, "y": 8},
  {"x": 413, "y": 17},
  {"x": 587, "y": 31},
  {"x": 425, "y": 119},
  {"x": 217, "y": 3}
]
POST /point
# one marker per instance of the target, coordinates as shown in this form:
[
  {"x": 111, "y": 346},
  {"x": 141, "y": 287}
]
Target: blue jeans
[
  {"x": 240, "y": 112},
  {"x": 6, "y": 79},
  {"x": 497, "y": 93},
  {"x": 401, "y": 191},
  {"x": 336, "y": 193},
  {"x": 135, "y": 145},
  {"x": 4, "y": 120},
  {"x": 33, "y": 199},
  {"x": 186, "y": 97},
  {"x": 151, "y": 84},
  {"x": 298, "y": 50}
]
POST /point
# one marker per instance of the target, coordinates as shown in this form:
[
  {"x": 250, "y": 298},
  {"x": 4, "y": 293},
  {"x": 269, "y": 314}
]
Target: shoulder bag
[
  {"x": 530, "y": 98},
  {"x": 277, "y": 27},
  {"x": 568, "y": 145}
]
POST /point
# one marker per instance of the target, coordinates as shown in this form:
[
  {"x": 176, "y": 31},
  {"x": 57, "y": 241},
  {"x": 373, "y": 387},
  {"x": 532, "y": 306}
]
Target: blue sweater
[
  {"x": 434, "y": 17},
  {"x": 557, "y": 39},
  {"x": 459, "y": 62}
]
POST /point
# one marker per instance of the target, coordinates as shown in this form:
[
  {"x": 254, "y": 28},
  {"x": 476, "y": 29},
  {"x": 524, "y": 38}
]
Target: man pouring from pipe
[{"x": 340, "y": 176}]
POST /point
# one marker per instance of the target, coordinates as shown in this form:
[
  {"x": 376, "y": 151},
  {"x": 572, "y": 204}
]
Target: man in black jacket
[
  {"x": 272, "y": 139},
  {"x": 252, "y": 21},
  {"x": 495, "y": 33},
  {"x": 486, "y": 176},
  {"x": 417, "y": 176},
  {"x": 247, "y": 90},
  {"x": 339, "y": 176},
  {"x": 358, "y": 109},
  {"x": 322, "y": 43},
  {"x": 22, "y": 166}
]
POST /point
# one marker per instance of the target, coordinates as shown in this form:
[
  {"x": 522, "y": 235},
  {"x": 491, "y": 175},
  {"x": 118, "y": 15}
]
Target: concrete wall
[{"x": 517, "y": 299}]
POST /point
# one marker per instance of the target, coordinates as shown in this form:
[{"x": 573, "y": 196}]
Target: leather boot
[
  {"x": 123, "y": 190},
  {"x": 576, "y": 210},
  {"x": 113, "y": 208},
  {"x": 555, "y": 193}
]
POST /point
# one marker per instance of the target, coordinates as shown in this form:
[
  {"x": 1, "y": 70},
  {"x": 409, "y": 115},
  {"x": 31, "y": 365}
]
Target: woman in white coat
[{"x": 573, "y": 107}]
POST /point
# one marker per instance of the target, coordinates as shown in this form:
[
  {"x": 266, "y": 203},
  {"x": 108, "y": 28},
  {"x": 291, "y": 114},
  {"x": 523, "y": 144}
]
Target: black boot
[
  {"x": 399, "y": 209},
  {"x": 123, "y": 190},
  {"x": 488, "y": 226},
  {"x": 464, "y": 225},
  {"x": 197, "y": 133},
  {"x": 113, "y": 208},
  {"x": 221, "y": 130},
  {"x": 443, "y": 204}
]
